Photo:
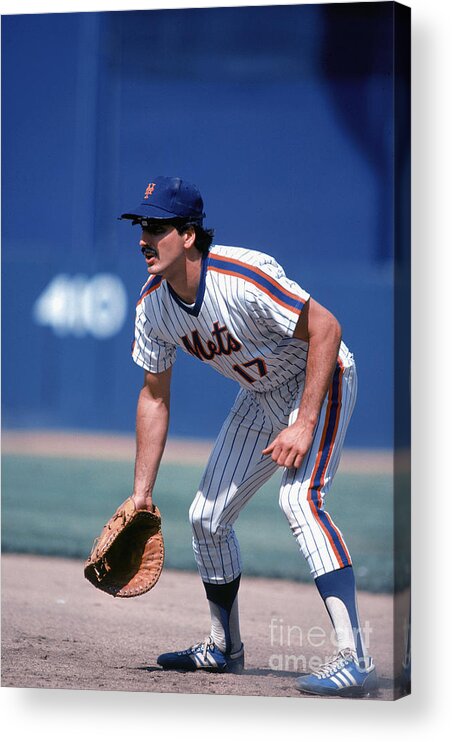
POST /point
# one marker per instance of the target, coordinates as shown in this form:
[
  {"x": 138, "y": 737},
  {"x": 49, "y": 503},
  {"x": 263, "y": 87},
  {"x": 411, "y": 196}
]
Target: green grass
[{"x": 57, "y": 507}]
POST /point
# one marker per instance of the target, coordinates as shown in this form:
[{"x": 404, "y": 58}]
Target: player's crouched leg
[
  {"x": 222, "y": 651},
  {"x": 215, "y": 545},
  {"x": 351, "y": 672}
]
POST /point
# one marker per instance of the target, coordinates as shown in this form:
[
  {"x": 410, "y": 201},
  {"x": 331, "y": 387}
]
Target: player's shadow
[
  {"x": 266, "y": 671},
  {"x": 383, "y": 683},
  {"x": 257, "y": 671}
]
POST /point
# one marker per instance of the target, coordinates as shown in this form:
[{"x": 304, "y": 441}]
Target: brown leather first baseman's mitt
[{"x": 127, "y": 558}]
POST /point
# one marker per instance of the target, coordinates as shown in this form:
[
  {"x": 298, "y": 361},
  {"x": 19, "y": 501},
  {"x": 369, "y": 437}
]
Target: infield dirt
[{"x": 59, "y": 632}]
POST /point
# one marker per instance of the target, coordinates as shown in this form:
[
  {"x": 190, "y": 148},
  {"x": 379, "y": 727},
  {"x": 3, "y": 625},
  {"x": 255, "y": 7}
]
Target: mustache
[{"x": 149, "y": 252}]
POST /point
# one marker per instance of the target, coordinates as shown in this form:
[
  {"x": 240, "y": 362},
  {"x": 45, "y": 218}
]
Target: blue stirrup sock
[
  {"x": 224, "y": 613},
  {"x": 338, "y": 591}
]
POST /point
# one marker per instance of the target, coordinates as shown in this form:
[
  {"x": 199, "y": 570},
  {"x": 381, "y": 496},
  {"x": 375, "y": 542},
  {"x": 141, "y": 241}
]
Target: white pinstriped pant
[{"x": 236, "y": 470}]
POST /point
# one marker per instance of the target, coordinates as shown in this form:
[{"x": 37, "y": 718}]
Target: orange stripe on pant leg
[
  {"x": 339, "y": 404},
  {"x": 311, "y": 488},
  {"x": 333, "y": 438},
  {"x": 322, "y": 478}
]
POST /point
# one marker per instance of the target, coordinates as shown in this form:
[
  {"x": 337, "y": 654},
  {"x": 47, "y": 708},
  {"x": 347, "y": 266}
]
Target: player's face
[{"x": 163, "y": 249}]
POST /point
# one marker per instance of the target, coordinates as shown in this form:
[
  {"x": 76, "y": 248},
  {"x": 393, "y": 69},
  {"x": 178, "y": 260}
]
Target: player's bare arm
[
  {"x": 151, "y": 432},
  {"x": 322, "y": 331}
]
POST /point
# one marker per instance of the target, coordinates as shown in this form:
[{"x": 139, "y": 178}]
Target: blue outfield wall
[{"x": 292, "y": 153}]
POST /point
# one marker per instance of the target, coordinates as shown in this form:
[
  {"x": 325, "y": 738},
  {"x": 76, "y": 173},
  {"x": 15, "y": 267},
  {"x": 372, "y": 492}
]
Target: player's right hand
[{"x": 291, "y": 445}]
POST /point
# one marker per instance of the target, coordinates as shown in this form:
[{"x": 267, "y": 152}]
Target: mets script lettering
[{"x": 223, "y": 343}]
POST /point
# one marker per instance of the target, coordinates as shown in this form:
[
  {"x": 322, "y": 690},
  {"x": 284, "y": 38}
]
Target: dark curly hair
[{"x": 204, "y": 237}]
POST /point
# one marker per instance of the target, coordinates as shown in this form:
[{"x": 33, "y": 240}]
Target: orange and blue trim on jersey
[
  {"x": 264, "y": 282},
  {"x": 317, "y": 481},
  {"x": 151, "y": 285}
]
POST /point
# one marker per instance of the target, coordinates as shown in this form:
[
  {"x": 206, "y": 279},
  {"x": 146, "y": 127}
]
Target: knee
[
  {"x": 285, "y": 501},
  {"x": 199, "y": 518},
  {"x": 206, "y": 522},
  {"x": 293, "y": 502},
  {"x": 194, "y": 515}
]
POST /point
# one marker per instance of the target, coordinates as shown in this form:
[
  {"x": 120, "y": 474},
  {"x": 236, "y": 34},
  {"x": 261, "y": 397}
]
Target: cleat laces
[
  {"x": 334, "y": 665},
  {"x": 207, "y": 644}
]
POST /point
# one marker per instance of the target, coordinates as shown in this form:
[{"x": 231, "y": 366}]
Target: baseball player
[{"x": 236, "y": 310}]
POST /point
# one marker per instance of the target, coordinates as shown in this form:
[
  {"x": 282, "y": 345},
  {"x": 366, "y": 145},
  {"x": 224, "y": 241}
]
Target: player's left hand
[{"x": 291, "y": 445}]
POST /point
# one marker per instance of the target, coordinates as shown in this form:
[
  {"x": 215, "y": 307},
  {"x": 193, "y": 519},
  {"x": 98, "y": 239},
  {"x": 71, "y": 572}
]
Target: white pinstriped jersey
[
  {"x": 242, "y": 321},
  {"x": 242, "y": 324}
]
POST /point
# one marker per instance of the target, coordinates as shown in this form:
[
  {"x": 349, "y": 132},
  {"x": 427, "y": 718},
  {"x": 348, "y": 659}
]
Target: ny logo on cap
[{"x": 149, "y": 190}]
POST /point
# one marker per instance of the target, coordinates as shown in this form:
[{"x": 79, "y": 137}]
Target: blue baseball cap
[{"x": 169, "y": 198}]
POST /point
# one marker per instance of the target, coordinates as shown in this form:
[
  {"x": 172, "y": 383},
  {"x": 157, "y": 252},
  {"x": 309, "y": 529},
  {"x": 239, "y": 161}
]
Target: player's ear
[{"x": 190, "y": 236}]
